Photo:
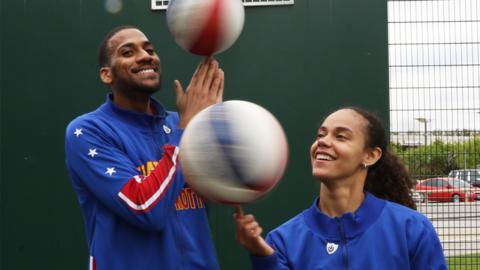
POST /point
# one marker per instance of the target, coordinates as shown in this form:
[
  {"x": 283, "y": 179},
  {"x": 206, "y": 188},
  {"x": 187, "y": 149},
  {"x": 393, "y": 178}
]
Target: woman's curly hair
[{"x": 388, "y": 178}]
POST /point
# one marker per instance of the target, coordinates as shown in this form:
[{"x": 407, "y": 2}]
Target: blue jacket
[
  {"x": 138, "y": 211},
  {"x": 380, "y": 235}
]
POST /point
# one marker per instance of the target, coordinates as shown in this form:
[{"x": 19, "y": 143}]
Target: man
[{"x": 122, "y": 159}]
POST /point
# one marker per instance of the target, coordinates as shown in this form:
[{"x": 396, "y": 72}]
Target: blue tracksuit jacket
[
  {"x": 380, "y": 235},
  {"x": 139, "y": 213}
]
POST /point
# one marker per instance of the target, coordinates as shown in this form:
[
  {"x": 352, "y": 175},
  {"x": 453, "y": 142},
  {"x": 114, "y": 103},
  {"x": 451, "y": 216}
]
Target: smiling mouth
[
  {"x": 145, "y": 70},
  {"x": 324, "y": 157}
]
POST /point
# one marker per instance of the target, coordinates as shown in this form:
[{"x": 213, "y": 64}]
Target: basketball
[
  {"x": 233, "y": 152},
  {"x": 205, "y": 27}
]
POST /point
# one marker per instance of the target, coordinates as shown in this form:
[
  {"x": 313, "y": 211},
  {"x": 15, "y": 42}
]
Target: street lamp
[{"x": 424, "y": 121}]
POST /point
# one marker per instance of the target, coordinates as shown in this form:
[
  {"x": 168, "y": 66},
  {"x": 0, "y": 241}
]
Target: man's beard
[{"x": 129, "y": 85}]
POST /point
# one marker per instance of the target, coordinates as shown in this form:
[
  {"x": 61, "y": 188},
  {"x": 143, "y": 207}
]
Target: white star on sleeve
[
  {"x": 78, "y": 132},
  {"x": 110, "y": 171},
  {"x": 92, "y": 152}
]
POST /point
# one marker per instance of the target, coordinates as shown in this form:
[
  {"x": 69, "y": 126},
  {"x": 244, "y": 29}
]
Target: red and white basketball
[
  {"x": 233, "y": 152},
  {"x": 205, "y": 27}
]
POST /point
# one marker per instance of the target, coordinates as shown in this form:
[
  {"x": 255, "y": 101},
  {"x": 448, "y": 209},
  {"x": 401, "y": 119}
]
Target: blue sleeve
[
  {"x": 276, "y": 261},
  {"x": 426, "y": 252},
  {"x": 103, "y": 173}
]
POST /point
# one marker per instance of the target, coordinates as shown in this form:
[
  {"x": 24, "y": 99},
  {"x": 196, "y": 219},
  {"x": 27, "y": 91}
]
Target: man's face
[{"x": 134, "y": 64}]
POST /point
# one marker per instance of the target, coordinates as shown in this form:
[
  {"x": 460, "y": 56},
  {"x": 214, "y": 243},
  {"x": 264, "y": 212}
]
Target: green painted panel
[{"x": 299, "y": 61}]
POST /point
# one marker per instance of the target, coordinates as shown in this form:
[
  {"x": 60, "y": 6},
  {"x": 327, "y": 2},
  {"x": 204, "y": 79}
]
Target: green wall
[{"x": 300, "y": 62}]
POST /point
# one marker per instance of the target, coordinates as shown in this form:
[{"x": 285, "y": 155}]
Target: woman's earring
[{"x": 365, "y": 165}]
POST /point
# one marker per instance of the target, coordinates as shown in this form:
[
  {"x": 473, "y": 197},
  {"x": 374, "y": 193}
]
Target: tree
[{"x": 439, "y": 158}]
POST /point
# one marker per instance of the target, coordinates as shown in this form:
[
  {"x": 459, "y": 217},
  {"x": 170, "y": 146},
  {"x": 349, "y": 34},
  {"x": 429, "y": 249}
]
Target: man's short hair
[{"x": 103, "y": 51}]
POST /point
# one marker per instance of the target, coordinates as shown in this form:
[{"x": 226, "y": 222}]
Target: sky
[{"x": 434, "y": 59}]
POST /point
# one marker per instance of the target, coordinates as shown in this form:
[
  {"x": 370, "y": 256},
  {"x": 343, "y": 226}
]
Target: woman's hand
[{"x": 249, "y": 234}]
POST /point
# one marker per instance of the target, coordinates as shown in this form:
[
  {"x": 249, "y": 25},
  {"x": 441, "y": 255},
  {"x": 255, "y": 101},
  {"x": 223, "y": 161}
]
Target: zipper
[
  {"x": 152, "y": 133},
  {"x": 176, "y": 228},
  {"x": 178, "y": 241},
  {"x": 343, "y": 241}
]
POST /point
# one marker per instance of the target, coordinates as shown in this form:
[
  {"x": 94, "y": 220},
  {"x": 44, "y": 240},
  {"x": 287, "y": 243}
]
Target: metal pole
[{"x": 425, "y": 126}]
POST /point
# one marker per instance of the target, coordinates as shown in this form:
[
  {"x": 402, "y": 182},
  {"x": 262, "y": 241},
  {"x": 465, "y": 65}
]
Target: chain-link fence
[{"x": 434, "y": 66}]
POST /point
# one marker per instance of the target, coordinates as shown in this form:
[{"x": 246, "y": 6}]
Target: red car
[{"x": 446, "y": 189}]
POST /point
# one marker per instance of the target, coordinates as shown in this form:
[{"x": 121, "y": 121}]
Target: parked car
[
  {"x": 447, "y": 189},
  {"x": 470, "y": 175},
  {"x": 418, "y": 196}
]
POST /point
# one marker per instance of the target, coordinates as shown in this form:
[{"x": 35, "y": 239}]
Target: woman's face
[{"x": 339, "y": 149}]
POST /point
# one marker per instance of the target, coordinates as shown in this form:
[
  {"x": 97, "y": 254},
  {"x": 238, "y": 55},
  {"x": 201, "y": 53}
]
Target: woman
[{"x": 363, "y": 217}]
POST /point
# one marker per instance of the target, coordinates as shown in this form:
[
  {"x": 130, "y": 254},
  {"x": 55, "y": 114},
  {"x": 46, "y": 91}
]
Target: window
[{"x": 162, "y": 4}]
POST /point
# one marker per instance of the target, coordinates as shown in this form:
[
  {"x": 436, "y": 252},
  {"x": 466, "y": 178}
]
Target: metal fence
[{"x": 434, "y": 72}]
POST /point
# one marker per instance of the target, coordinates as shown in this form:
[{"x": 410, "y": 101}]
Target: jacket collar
[
  {"x": 348, "y": 225},
  {"x": 137, "y": 119}
]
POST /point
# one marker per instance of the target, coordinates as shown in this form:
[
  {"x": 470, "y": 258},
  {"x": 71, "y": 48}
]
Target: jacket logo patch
[
  {"x": 166, "y": 129},
  {"x": 331, "y": 248}
]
